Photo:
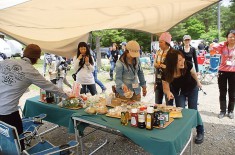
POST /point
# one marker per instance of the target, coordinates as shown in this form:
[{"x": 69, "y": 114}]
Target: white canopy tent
[{"x": 58, "y": 25}]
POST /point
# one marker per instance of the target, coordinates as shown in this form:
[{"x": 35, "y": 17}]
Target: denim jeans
[
  {"x": 97, "y": 80},
  {"x": 159, "y": 94},
  {"x": 112, "y": 67},
  {"x": 91, "y": 87},
  {"x": 225, "y": 78},
  {"x": 192, "y": 102}
]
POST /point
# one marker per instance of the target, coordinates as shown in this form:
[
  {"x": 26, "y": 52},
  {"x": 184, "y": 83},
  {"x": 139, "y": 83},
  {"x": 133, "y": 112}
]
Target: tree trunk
[{"x": 98, "y": 53}]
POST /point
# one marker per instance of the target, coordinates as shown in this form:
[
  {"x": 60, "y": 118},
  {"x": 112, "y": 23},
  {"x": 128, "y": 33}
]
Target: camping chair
[
  {"x": 30, "y": 127},
  {"x": 201, "y": 68},
  {"x": 212, "y": 70},
  {"x": 200, "y": 60},
  {"x": 201, "y": 72},
  {"x": 10, "y": 144},
  {"x": 144, "y": 61}
]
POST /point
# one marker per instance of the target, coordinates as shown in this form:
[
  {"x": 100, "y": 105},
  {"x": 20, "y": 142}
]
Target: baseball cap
[
  {"x": 133, "y": 47},
  {"x": 187, "y": 37},
  {"x": 123, "y": 43}
]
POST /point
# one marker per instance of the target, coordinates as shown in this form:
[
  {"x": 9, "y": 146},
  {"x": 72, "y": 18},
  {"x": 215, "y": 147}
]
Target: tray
[
  {"x": 46, "y": 102},
  {"x": 174, "y": 114},
  {"x": 73, "y": 108},
  {"x": 116, "y": 116},
  {"x": 166, "y": 124},
  {"x": 113, "y": 116}
]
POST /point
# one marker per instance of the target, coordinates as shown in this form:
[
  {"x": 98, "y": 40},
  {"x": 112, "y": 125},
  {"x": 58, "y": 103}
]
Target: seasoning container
[
  {"x": 156, "y": 120},
  {"x": 42, "y": 95},
  {"x": 124, "y": 117},
  {"x": 58, "y": 99},
  {"x": 49, "y": 97},
  {"x": 134, "y": 117},
  {"x": 141, "y": 119},
  {"x": 162, "y": 122},
  {"x": 166, "y": 115},
  {"x": 149, "y": 118}
]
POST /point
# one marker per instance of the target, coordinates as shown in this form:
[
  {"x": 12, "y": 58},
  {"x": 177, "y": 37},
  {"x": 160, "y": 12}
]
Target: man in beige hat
[{"x": 15, "y": 77}]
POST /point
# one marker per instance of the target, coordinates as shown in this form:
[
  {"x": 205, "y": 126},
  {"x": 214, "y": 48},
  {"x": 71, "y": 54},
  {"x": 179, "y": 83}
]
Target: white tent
[{"x": 58, "y": 25}]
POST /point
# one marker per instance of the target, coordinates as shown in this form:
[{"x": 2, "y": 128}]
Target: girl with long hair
[
  {"x": 85, "y": 76},
  {"x": 182, "y": 77}
]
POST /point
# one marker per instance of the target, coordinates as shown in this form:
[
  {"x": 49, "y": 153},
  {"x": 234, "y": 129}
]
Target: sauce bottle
[
  {"x": 141, "y": 119},
  {"x": 124, "y": 117},
  {"x": 149, "y": 118},
  {"x": 134, "y": 118}
]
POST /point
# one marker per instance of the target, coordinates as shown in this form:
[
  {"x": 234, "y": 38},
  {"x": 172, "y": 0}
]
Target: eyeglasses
[{"x": 187, "y": 40}]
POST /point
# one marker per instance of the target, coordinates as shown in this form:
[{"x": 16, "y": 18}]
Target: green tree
[
  {"x": 121, "y": 35},
  {"x": 229, "y": 18},
  {"x": 178, "y": 31},
  {"x": 195, "y": 27}
]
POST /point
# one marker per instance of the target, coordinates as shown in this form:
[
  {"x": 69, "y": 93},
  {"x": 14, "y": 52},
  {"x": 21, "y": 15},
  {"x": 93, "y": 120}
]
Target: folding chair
[
  {"x": 201, "y": 72},
  {"x": 144, "y": 61},
  {"x": 212, "y": 70},
  {"x": 30, "y": 127},
  {"x": 201, "y": 68},
  {"x": 201, "y": 60},
  {"x": 10, "y": 144}
]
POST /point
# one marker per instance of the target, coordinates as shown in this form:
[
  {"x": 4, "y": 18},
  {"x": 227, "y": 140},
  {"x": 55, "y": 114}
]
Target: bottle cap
[
  {"x": 142, "y": 108},
  {"x": 150, "y": 110},
  {"x": 134, "y": 110}
]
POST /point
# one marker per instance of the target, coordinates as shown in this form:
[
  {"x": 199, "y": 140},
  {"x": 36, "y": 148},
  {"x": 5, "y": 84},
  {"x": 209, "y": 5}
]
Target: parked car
[
  {"x": 103, "y": 51},
  {"x": 16, "y": 48},
  {"x": 195, "y": 43},
  {"x": 5, "y": 48},
  {"x": 11, "y": 48}
]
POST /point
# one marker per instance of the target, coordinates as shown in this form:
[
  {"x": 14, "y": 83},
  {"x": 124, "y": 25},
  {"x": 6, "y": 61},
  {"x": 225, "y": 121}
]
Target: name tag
[
  {"x": 229, "y": 63},
  {"x": 135, "y": 85},
  {"x": 159, "y": 76}
]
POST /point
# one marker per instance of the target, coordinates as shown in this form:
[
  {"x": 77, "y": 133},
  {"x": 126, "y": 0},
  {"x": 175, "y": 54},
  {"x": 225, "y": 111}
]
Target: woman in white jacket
[{"x": 85, "y": 64}]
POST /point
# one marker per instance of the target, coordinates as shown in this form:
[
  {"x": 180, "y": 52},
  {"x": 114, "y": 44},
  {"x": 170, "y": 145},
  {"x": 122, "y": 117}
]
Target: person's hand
[
  {"x": 144, "y": 91},
  {"x": 87, "y": 60},
  {"x": 155, "y": 87},
  {"x": 170, "y": 96},
  {"x": 125, "y": 88},
  {"x": 70, "y": 95},
  {"x": 199, "y": 85},
  {"x": 80, "y": 57},
  {"x": 163, "y": 66}
]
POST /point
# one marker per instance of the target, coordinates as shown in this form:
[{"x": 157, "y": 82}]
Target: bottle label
[
  {"x": 141, "y": 118},
  {"x": 133, "y": 121},
  {"x": 148, "y": 121}
]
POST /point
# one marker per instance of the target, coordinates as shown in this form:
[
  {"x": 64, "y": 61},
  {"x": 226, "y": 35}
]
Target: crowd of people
[{"x": 175, "y": 77}]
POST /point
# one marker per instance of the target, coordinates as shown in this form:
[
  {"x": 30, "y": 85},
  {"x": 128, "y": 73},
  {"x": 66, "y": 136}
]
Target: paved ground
[{"x": 219, "y": 133}]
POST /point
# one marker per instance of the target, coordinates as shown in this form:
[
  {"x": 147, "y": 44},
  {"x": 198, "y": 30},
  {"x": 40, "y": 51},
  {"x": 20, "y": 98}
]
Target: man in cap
[
  {"x": 121, "y": 51},
  {"x": 15, "y": 77}
]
